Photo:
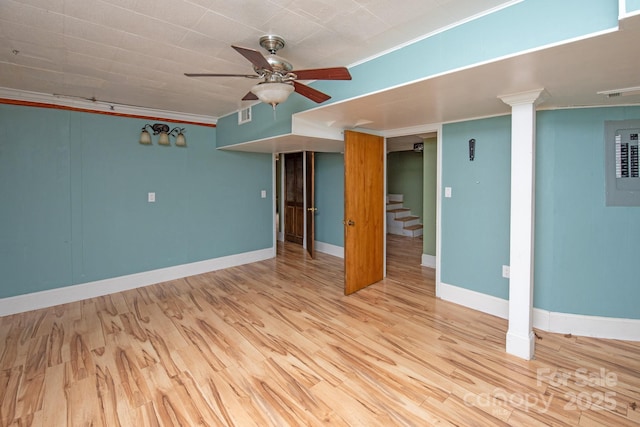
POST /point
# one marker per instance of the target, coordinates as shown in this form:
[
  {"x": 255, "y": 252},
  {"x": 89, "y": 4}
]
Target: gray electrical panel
[{"x": 622, "y": 155}]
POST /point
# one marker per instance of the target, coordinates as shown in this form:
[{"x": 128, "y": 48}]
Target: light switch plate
[
  {"x": 263, "y": 194},
  {"x": 151, "y": 197},
  {"x": 447, "y": 192}
]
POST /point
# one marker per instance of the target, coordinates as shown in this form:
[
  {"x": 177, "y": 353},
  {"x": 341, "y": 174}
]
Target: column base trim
[{"x": 521, "y": 346}]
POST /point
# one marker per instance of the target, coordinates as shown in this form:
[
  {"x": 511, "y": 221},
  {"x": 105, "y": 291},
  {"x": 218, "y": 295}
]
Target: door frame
[
  {"x": 279, "y": 234},
  {"x": 429, "y": 128},
  {"x": 299, "y": 207}
]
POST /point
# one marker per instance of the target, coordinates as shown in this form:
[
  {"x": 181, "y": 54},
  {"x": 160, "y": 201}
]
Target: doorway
[
  {"x": 412, "y": 177},
  {"x": 294, "y": 198}
]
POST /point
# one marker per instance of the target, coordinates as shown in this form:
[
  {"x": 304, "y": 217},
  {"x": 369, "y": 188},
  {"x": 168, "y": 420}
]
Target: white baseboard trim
[
  {"x": 71, "y": 293},
  {"x": 330, "y": 249},
  {"x": 587, "y": 326},
  {"x": 429, "y": 261},
  {"x": 475, "y": 300},
  {"x": 549, "y": 321}
]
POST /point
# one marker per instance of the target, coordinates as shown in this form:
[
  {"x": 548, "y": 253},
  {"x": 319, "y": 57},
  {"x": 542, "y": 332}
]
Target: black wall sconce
[
  {"x": 164, "y": 132},
  {"x": 472, "y": 149}
]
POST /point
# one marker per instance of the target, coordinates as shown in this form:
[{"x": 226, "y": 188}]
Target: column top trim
[{"x": 536, "y": 96}]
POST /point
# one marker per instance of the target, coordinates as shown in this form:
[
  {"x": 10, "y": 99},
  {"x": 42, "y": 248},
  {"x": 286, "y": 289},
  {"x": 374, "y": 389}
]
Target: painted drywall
[
  {"x": 74, "y": 205},
  {"x": 586, "y": 252},
  {"x": 632, "y": 6},
  {"x": 329, "y": 198},
  {"x": 475, "y": 219},
  {"x": 404, "y": 176},
  {"x": 429, "y": 203},
  {"x": 265, "y": 122},
  {"x": 35, "y": 200}
]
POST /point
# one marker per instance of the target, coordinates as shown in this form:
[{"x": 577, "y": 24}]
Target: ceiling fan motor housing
[
  {"x": 278, "y": 75},
  {"x": 279, "y": 65},
  {"x": 272, "y": 43}
]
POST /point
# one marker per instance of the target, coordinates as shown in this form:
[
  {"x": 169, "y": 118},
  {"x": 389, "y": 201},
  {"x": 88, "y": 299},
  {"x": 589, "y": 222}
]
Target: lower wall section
[
  {"x": 330, "y": 249},
  {"x": 34, "y": 301},
  {"x": 429, "y": 261},
  {"x": 561, "y": 323}
]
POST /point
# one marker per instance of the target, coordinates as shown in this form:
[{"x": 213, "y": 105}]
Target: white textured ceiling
[{"x": 134, "y": 52}]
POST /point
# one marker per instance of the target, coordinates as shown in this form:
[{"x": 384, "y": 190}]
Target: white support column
[{"x": 520, "y": 336}]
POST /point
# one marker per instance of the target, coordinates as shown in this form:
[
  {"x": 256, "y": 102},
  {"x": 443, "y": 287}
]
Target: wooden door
[
  {"x": 294, "y": 202},
  {"x": 310, "y": 235},
  {"x": 363, "y": 210}
]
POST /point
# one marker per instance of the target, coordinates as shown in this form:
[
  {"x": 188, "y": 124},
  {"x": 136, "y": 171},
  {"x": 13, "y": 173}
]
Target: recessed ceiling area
[{"x": 571, "y": 74}]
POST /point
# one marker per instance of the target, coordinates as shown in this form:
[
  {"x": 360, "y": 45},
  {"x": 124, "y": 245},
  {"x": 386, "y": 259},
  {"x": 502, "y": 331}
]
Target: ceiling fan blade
[
  {"x": 250, "y": 97},
  {"x": 311, "y": 93},
  {"x": 335, "y": 73},
  {"x": 256, "y": 58},
  {"x": 249, "y": 76}
]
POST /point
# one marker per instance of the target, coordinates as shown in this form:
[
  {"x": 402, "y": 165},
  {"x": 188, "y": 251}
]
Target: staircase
[{"x": 399, "y": 219}]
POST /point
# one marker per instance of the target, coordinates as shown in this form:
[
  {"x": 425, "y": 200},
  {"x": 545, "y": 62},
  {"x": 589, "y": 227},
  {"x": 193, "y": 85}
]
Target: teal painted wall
[
  {"x": 586, "y": 252},
  {"x": 430, "y": 187},
  {"x": 329, "y": 195},
  {"x": 475, "y": 220},
  {"x": 404, "y": 176},
  {"x": 265, "y": 122},
  {"x": 35, "y": 201},
  {"x": 633, "y": 6},
  {"x": 74, "y": 199}
]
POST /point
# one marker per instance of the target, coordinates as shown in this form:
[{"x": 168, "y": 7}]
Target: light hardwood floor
[{"x": 277, "y": 343}]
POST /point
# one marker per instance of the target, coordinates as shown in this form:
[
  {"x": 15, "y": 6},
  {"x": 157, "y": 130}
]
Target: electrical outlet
[
  {"x": 506, "y": 271},
  {"x": 151, "y": 197}
]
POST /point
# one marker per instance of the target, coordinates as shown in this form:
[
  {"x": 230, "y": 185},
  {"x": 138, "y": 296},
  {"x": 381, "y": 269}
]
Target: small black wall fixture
[
  {"x": 164, "y": 132},
  {"x": 472, "y": 149}
]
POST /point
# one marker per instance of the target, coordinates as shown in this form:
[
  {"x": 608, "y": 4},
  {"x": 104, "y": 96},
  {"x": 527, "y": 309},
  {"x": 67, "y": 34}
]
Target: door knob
[
  {"x": 351, "y": 223},
  {"x": 312, "y": 209}
]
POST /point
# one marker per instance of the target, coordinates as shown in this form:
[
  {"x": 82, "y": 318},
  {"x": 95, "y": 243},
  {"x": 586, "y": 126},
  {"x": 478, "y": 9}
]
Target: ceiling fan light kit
[
  {"x": 272, "y": 93},
  {"x": 279, "y": 79}
]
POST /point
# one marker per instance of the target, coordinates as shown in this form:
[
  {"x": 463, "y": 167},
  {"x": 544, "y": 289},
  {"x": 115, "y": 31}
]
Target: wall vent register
[
  {"x": 623, "y": 160},
  {"x": 244, "y": 115}
]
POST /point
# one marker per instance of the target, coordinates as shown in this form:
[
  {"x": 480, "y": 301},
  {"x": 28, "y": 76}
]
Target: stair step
[
  {"x": 407, "y": 218},
  {"x": 413, "y": 227},
  {"x": 397, "y": 213},
  {"x": 395, "y": 197}
]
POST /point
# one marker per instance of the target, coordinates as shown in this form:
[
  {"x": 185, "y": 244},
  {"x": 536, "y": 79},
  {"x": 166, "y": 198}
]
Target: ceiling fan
[{"x": 279, "y": 79}]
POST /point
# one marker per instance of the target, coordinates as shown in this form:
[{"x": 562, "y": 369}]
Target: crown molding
[{"x": 103, "y": 107}]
